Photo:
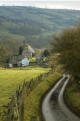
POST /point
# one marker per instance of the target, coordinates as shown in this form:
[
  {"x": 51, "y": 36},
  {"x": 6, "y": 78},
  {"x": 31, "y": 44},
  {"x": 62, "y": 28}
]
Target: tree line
[
  {"x": 3, "y": 56},
  {"x": 66, "y": 47}
]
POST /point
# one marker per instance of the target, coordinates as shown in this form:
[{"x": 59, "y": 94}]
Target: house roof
[{"x": 30, "y": 49}]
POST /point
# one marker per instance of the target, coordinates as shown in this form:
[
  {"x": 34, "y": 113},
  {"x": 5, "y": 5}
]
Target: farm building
[
  {"x": 28, "y": 51},
  {"x": 25, "y": 62},
  {"x": 22, "y": 62}
]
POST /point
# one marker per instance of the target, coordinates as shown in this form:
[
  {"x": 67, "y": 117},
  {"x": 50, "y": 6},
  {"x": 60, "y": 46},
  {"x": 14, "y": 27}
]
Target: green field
[{"x": 11, "y": 78}]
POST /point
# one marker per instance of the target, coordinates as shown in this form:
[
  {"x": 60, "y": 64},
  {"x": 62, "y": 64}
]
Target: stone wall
[{"x": 15, "y": 109}]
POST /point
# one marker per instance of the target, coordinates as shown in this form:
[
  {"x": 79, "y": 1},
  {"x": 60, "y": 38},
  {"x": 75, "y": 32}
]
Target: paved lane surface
[{"x": 53, "y": 107}]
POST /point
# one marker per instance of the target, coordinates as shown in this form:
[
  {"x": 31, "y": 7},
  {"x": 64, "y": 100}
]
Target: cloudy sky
[{"x": 51, "y": 4}]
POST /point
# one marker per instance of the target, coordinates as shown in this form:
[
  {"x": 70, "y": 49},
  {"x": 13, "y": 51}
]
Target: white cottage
[
  {"x": 25, "y": 62},
  {"x": 10, "y": 65}
]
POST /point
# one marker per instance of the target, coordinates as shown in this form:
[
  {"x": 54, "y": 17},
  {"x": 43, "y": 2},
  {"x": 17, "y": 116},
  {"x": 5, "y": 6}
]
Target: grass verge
[
  {"x": 32, "y": 102},
  {"x": 72, "y": 97}
]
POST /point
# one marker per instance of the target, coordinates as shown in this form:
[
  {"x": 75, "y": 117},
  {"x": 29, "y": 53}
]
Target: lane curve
[
  {"x": 71, "y": 116},
  {"x": 53, "y": 107},
  {"x": 46, "y": 108}
]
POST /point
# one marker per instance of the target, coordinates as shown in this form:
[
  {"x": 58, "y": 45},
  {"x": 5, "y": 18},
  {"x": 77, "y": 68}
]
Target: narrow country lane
[{"x": 53, "y": 107}]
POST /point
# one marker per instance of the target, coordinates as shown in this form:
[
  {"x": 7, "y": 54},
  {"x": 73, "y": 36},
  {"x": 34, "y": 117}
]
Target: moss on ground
[
  {"x": 72, "y": 97},
  {"x": 32, "y": 102}
]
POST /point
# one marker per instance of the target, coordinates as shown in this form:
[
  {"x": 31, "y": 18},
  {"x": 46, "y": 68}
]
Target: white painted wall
[{"x": 25, "y": 62}]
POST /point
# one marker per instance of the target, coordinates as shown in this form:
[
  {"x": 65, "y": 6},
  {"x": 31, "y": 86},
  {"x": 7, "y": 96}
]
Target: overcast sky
[{"x": 52, "y": 4}]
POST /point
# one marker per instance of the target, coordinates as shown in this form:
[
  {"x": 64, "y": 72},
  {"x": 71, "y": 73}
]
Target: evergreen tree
[
  {"x": 20, "y": 50},
  {"x": 45, "y": 53},
  {"x": 3, "y": 56}
]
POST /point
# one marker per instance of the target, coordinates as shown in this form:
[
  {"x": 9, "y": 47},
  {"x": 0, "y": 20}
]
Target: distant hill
[{"x": 34, "y": 25}]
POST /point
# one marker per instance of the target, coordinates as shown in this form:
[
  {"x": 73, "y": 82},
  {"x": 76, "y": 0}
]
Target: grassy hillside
[
  {"x": 34, "y": 25},
  {"x": 10, "y": 80}
]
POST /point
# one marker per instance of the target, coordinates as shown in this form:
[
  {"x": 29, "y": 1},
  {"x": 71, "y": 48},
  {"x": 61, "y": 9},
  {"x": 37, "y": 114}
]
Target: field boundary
[{"x": 15, "y": 109}]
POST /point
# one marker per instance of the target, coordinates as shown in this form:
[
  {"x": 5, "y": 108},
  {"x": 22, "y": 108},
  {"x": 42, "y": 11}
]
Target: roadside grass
[
  {"x": 32, "y": 102},
  {"x": 72, "y": 97},
  {"x": 11, "y": 78}
]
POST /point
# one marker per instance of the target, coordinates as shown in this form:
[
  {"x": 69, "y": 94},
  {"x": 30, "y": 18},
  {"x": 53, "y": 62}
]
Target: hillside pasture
[{"x": 10, "y": 79}]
